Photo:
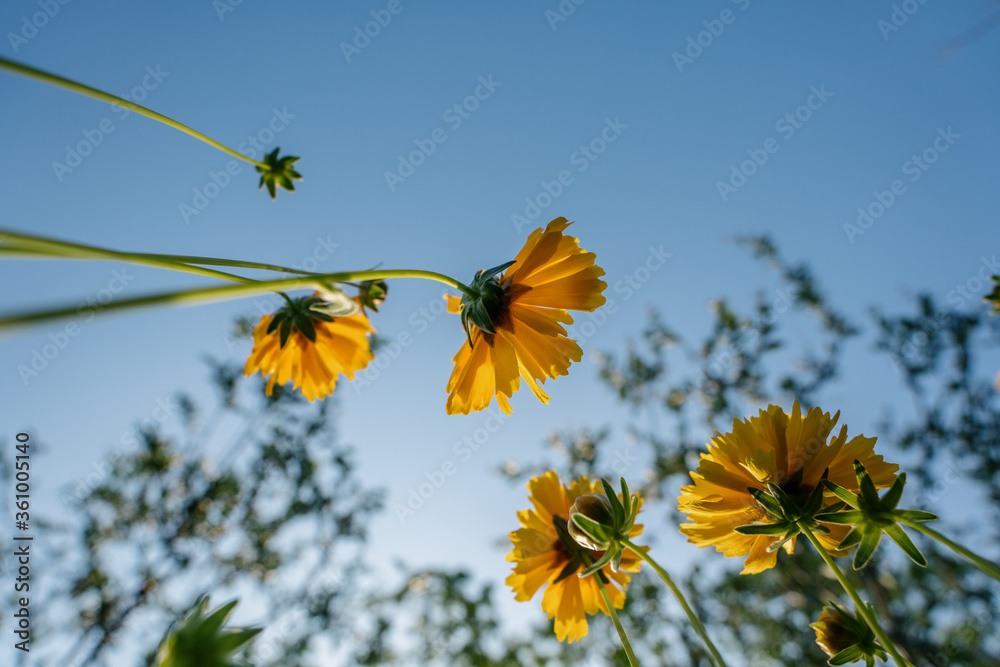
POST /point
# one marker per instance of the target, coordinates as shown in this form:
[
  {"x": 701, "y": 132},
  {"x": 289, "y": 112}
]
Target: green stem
[
  {"x": 985, "y": 566},
  {"x": 180, "y": 259},
  {"x": 692, "y": 617},
  {"x": 225, "y": 292},
  {"x": 614, "y": 617},
  {"x": 39, "y": 245},
  {"x": 859, "y": 606},
  {"x": 82, "y": 89}
]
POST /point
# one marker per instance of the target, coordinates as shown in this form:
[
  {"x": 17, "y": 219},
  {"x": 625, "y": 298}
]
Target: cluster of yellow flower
[
  {"x": 792, "y": 451},
  {"x": 773, "y": 478},
  {"x": 514, "y": 326}
]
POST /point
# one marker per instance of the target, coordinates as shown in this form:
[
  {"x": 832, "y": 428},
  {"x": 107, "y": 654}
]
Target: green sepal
[
  {"x": 895, "y": 492},
  {"x": 848, "y": 518},
  {"x": 788, "y": 507},
  {"x": 626, "y": 499},
  {"x": 769, "y": 503},
  {"x": 870, "y": 540},
  {"x": 278, "y": 172},
  {"x": 847, "y": 656},
  {"x": 899, "y": 536},
  {"x": 852, "y": 538},
  {"x": 917, "y": 516},
  {"x": 232, "y": 642},
  {"x": 772, "y": 529},
  {"x": 868, "y": 491},
  {"x": 815, "y": 502},
  {"x": 845, "y": 495},
  {"x": 597, "y": 566},
  {"x": 616, "y": 506},
  {"x": 600, "y": 534},
  {"x": 616, "y": 559},
  {"x": 305, "y": 325},
  {"x": 483, "y": 302},
  {"x": 372, "y": 294}
]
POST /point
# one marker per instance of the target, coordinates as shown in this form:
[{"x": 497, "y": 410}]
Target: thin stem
[
  {"x": 985, "y": 566},
  {"x": 692, "y": 617},
  {"x": 65, "y": 249},
  {"x": 180, "y": 259},
  {"x": 82, "y": 89},
  {"x": 225, "y": 292},
  {"x": 860, "y": 606},
  {"x": 614, "y": 617}
]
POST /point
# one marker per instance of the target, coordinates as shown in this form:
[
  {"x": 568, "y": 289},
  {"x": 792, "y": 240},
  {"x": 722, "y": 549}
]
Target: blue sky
[{"x": 673, "y": 127}]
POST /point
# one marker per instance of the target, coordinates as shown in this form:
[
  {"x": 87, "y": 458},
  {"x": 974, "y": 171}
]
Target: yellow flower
[
  {"x": 791, "y": 451},
  {"x": 551, "y": 275},
  {"x": 842, "y": 636},
  {"x": 832, "y": 634},
  {"x": 309, "y": 347},
  {"x": 544, "y": 553}
]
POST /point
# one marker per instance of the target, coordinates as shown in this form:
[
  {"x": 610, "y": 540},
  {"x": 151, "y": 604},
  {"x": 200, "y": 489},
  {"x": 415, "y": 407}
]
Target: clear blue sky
[{"x": 831, "y": 104}]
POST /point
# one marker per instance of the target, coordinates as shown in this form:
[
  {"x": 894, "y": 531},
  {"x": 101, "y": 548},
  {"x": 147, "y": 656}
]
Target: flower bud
[
  {"x": 592, "y": 522},
  {"x": 845, "y": 638}
]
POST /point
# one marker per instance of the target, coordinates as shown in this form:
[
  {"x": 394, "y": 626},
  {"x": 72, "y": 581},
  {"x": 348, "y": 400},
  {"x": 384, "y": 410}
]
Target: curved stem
[
  {"x": 614, "y": 617},
  {"x": 42, "y": 246},
  {"x": 69, "y": 84},
  {"x": 692, "y": 617},
  {"x": 180, "y": 259},
  {"x": 859, "y": 605},
  {"x": 225, "y": 292},
  {"x": 985, "y": 566}
]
